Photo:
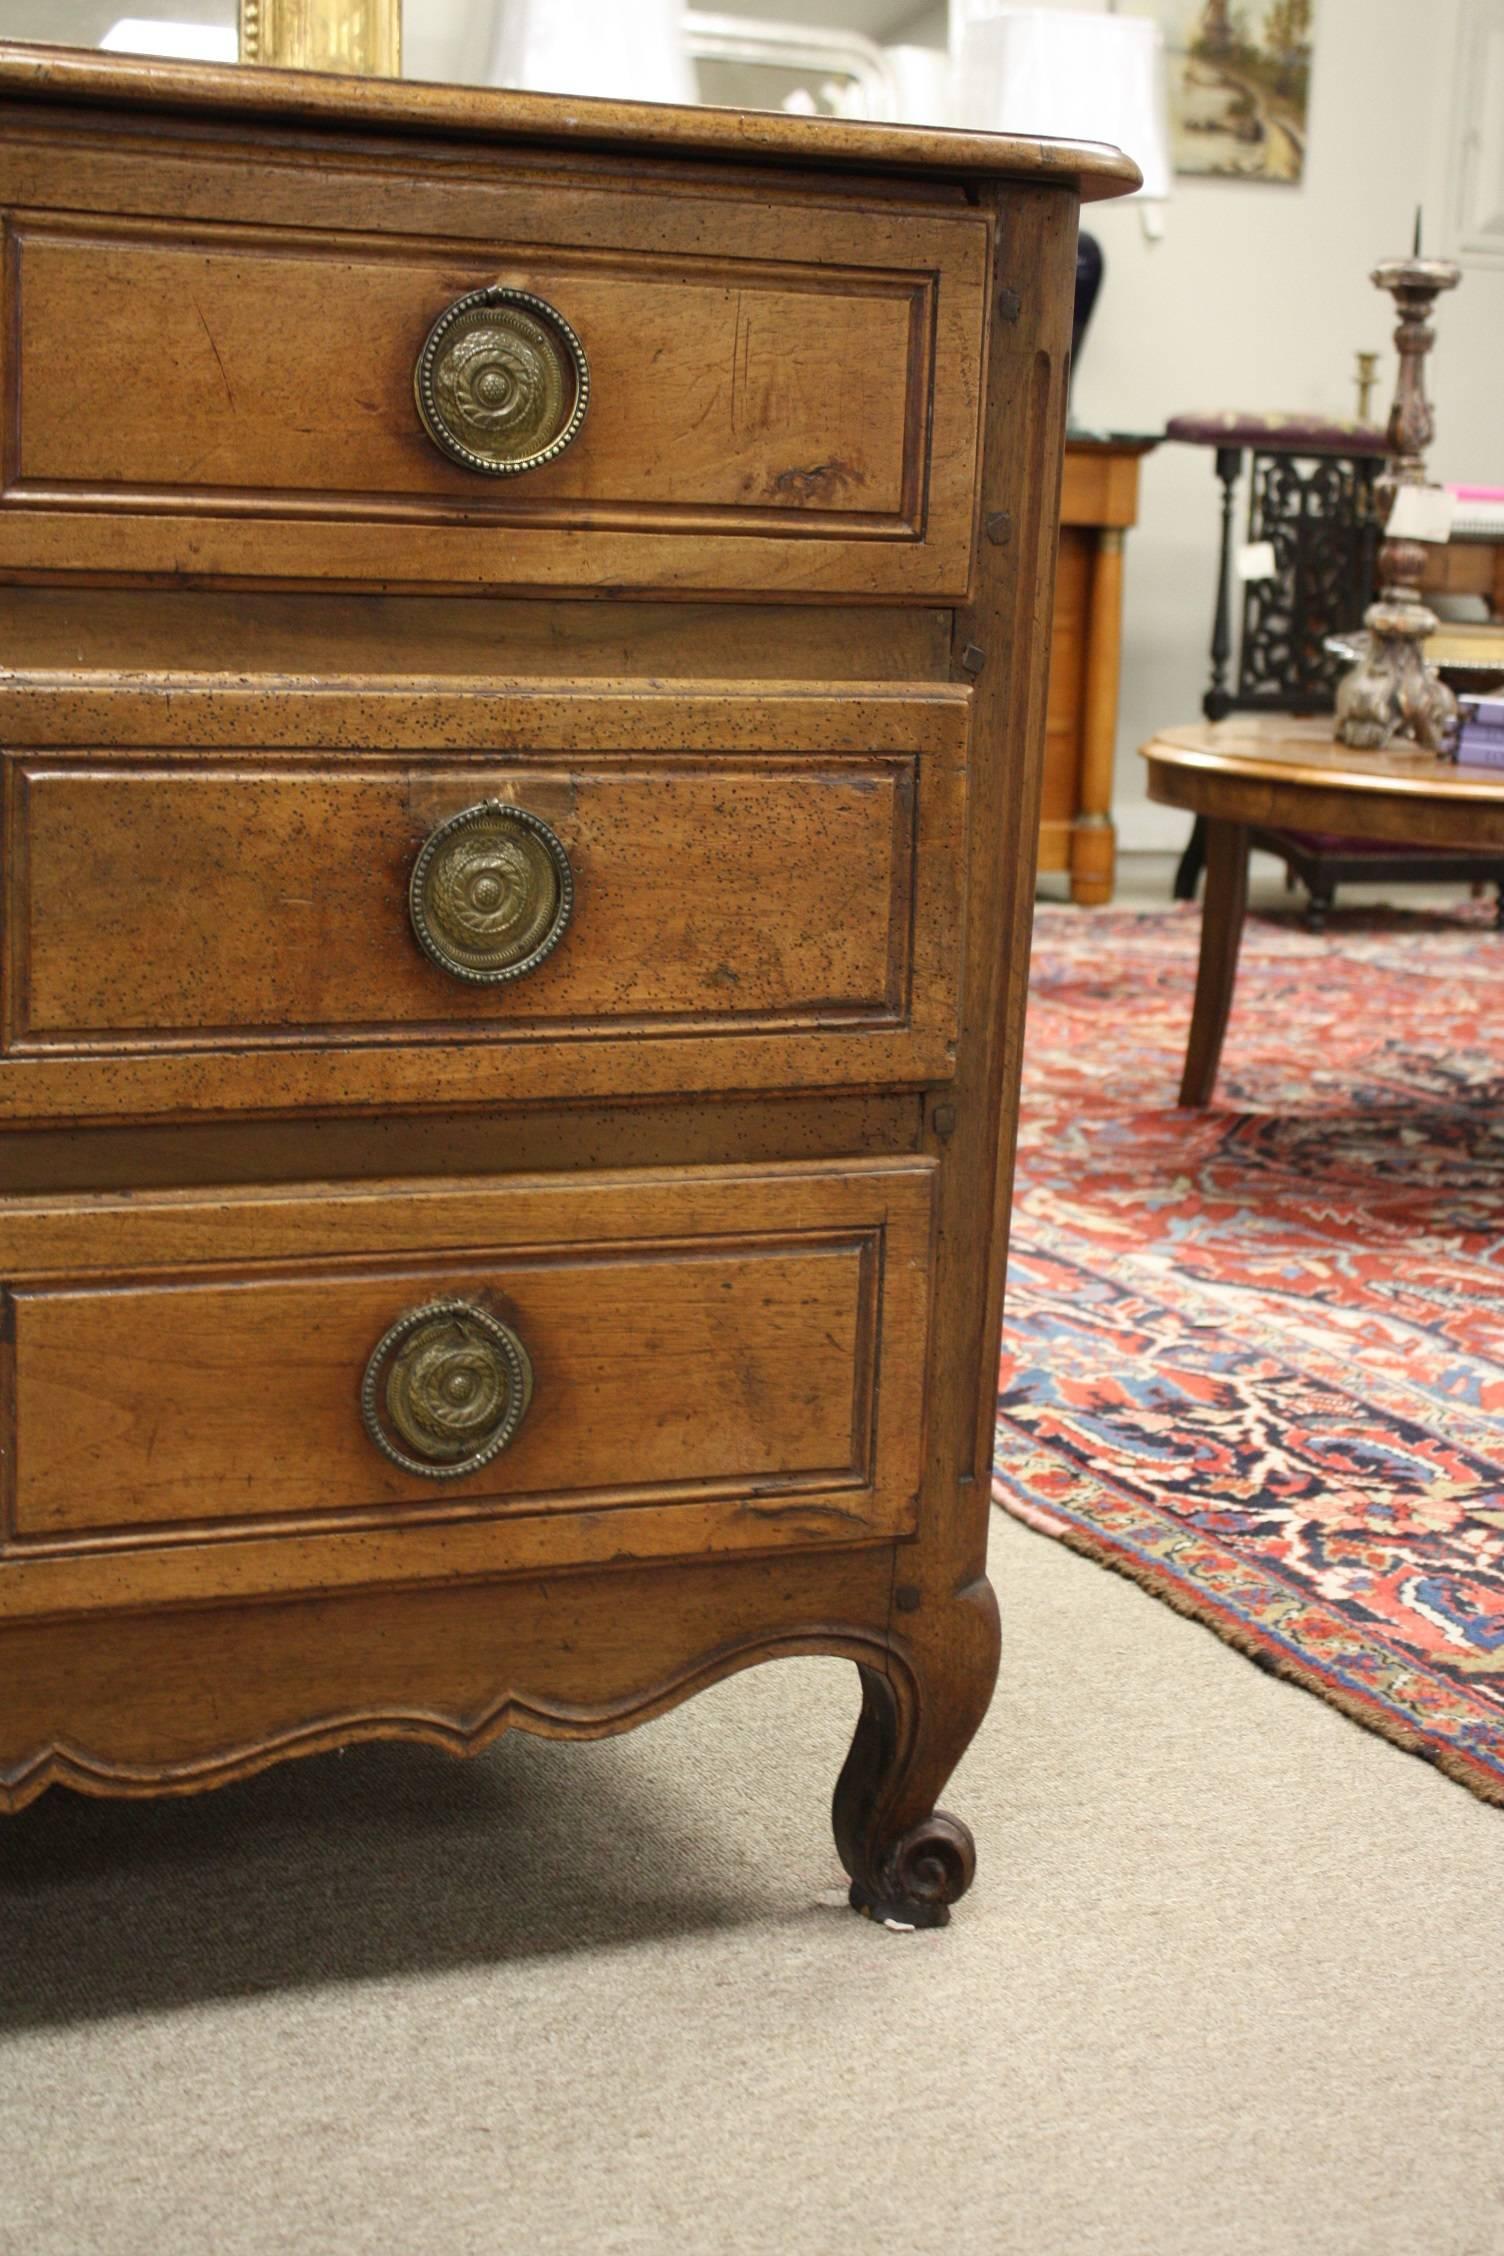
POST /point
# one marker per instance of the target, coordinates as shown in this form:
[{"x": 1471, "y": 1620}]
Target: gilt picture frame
[{"x": 359, "y": 36}]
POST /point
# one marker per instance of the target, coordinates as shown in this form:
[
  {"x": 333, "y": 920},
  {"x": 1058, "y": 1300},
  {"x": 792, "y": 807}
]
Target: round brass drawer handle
[
  {"x": 502, "y": 382},
  {"x": 445, "y": 1389},
  {"x": 491, "y": 893}
]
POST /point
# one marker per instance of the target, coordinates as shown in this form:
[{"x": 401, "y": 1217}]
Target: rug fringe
[{"x": 1451, "y": 1761}]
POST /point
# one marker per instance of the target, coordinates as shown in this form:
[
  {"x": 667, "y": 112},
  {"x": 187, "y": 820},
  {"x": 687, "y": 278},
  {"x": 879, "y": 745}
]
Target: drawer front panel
[
  {"x": 730, "y": 1360},
  {"x": 163, "y": 911},
  {"x": 783, "y": 394},
  {"x": 688, "y": 380},
  {"x": 232, "y": 900}
]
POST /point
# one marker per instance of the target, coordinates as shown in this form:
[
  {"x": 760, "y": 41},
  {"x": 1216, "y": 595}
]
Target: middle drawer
[{"x": 605, "y": 894}]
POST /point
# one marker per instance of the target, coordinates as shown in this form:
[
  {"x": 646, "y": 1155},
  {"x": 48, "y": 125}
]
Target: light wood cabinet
[{"x": 1098, "y": 504}]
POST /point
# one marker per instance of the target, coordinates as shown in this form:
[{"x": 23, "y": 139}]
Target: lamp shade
[
  {"x": 1072, "y": 75},
  {"x": 632, "y": 54},
  {"x": 159, "y": 35},
  {"x": 923, "y": 75}
]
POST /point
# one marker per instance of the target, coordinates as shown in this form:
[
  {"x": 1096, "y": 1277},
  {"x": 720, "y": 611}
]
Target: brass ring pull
[
  {"x": 490, "y": 893},
  {"x": 502, "y": 382},
  {"x": 445, "y": 1389}
]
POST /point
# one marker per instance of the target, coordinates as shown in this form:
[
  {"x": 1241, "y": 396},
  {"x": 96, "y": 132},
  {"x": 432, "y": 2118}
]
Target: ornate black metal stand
[
  {"x": 1319, "y": 516},
  {"x": 1314, "y": 506}
]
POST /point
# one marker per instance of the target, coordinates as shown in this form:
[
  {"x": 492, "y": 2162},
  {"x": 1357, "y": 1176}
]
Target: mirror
[{"x": 724, "y": 59}]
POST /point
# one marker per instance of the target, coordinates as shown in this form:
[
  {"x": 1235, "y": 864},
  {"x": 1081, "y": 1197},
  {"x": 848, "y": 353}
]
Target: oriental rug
[{"x": 1254, "y": 1356}]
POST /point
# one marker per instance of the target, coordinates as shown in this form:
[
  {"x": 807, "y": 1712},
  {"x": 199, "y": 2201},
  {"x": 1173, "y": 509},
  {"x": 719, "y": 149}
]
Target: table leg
[
  {"x": 1093, "y": 839},
  {"x": 1223, "y": 907},
  {"x": 1192, "y": 862}
]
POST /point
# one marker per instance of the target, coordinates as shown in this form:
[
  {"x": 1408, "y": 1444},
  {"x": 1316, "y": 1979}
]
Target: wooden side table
[
  {"x": 1098, "y": 504},
  {"x": 1261, "y": 772}
]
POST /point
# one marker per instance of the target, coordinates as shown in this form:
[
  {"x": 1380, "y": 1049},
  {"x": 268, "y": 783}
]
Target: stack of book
[
  {"x": 1480, "y": 740},
  {"x": 1478, "y": 513}
]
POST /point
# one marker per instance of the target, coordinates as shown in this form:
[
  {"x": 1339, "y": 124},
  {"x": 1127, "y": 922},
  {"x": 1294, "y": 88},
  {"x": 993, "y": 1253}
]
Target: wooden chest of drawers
[{"x": 521, "y": 694}]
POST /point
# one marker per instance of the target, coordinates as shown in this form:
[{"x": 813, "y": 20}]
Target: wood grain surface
[{"x": 55, "y": 645}]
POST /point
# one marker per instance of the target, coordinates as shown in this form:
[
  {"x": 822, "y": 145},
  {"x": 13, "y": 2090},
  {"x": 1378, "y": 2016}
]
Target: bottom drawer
[{"x": 335, "y": 1386}]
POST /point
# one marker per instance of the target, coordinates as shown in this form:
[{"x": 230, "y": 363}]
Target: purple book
[{"x": 1480, "y": 748}]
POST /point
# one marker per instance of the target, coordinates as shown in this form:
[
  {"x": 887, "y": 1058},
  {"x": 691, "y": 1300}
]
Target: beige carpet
[{"x": 1230, "y": 1980}]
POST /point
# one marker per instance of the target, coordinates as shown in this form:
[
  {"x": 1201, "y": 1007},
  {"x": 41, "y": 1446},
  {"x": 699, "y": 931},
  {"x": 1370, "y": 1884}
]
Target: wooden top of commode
[{"x": 83, "y": 76}]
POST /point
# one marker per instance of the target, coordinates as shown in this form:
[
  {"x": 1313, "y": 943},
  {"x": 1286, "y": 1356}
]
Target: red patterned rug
[{"x": 1254, "y": 1356}]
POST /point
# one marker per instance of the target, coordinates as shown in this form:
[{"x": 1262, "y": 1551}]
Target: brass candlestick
[
  {"x": 1391, "y": 692},
  {"x": 1367, "y": 377}
]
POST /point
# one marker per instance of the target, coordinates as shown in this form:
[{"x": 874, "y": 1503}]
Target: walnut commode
[{"x": 519, "y": 797}]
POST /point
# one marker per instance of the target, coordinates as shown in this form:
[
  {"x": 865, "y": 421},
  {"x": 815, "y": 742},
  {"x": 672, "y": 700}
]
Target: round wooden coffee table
[{"x": 1282, "y": 774}]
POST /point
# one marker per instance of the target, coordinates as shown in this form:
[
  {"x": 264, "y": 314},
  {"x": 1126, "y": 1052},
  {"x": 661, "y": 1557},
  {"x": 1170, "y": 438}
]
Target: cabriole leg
[{"x": 908, "y": 1860}]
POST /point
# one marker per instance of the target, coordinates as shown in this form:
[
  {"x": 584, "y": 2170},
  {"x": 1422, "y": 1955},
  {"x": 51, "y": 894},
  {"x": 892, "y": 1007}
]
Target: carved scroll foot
[
  {"x": 921, "y": 1876},
  {"x": 1392, "y": 695},
  {"x": 909, "y": 1861}
]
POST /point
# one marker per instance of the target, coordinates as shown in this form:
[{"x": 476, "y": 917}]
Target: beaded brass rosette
[
  {"x": 445, "y": 1389},
  {"x": 491, "y": 893},
  {"x": 502, "y": 382}
]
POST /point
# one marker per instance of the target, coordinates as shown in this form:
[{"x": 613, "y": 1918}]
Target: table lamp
[
  {"x": 187, "y": 42},
  {"x": 1078, "y": 76}
]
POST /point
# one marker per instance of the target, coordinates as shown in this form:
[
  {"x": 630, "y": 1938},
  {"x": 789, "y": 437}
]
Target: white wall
[{"x": 1258, "y": 297}]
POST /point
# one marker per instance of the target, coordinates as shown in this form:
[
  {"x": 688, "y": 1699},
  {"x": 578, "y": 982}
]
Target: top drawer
[{"x": 210, "y": 372}]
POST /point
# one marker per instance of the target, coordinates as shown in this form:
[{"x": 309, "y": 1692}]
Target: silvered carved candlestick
[{"x": 1391, "y": 692}]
